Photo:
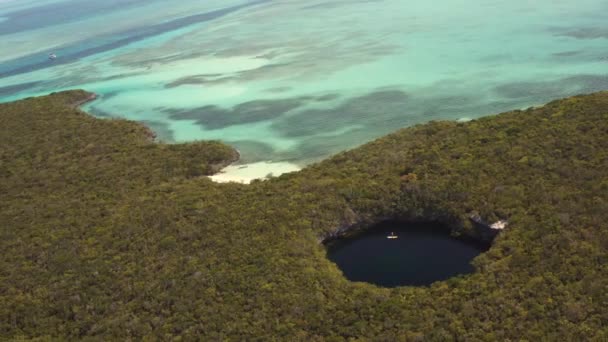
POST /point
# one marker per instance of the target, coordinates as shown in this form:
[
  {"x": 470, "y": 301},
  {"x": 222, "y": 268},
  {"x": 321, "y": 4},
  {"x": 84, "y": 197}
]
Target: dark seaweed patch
[
  {"x": 14, "y": 89},
  {"x": 358, "y": 110},
  {"x": 213, "y": 117}
]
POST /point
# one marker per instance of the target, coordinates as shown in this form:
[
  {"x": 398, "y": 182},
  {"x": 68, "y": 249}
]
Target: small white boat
[
  {"x": 52, "y": 56},
  {"x": 392, "y": 236}
]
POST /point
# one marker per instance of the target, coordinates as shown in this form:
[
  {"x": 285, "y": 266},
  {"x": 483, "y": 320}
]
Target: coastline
[
  {"x": 92, "y": 97},
  {"x": 227, "y": 172}
]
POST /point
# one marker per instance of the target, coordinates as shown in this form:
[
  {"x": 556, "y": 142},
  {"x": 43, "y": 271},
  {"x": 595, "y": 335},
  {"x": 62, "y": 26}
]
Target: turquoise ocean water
[{"x": 296, "y": 81}]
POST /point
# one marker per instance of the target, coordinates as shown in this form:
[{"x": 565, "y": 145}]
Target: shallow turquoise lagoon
[{"x": 296, "y": 81}]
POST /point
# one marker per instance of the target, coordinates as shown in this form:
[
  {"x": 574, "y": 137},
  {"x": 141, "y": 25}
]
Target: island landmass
[{"x": 107, "y": 234}]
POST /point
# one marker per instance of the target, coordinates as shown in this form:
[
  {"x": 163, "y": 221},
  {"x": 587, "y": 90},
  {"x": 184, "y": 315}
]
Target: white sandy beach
[{"x": 245, "y": 173}]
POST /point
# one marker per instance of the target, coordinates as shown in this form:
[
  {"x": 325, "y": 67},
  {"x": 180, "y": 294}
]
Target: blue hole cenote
[
  {"x": 288, "y": 82},
  {"x": 396, "y": 253}
]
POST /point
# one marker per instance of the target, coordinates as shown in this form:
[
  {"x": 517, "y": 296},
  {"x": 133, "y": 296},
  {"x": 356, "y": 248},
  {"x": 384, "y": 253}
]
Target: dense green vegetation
[{"x": 108, "y": 235}]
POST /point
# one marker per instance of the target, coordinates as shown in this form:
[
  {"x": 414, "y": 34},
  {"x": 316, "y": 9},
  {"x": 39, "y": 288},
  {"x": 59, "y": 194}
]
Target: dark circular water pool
[{"x": 422, "y": 254}]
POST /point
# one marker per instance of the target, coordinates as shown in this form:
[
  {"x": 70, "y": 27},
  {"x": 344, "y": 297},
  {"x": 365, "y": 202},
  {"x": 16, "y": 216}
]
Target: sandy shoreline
[{"x": 245, "y": 173}]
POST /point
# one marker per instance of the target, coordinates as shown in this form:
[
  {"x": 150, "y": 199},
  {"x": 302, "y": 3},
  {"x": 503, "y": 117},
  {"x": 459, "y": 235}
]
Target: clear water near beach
[{"x": 291, "y": 82}]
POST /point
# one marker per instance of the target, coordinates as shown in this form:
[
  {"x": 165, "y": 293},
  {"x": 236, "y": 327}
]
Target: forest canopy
[{"x": 109, "y": 235}]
